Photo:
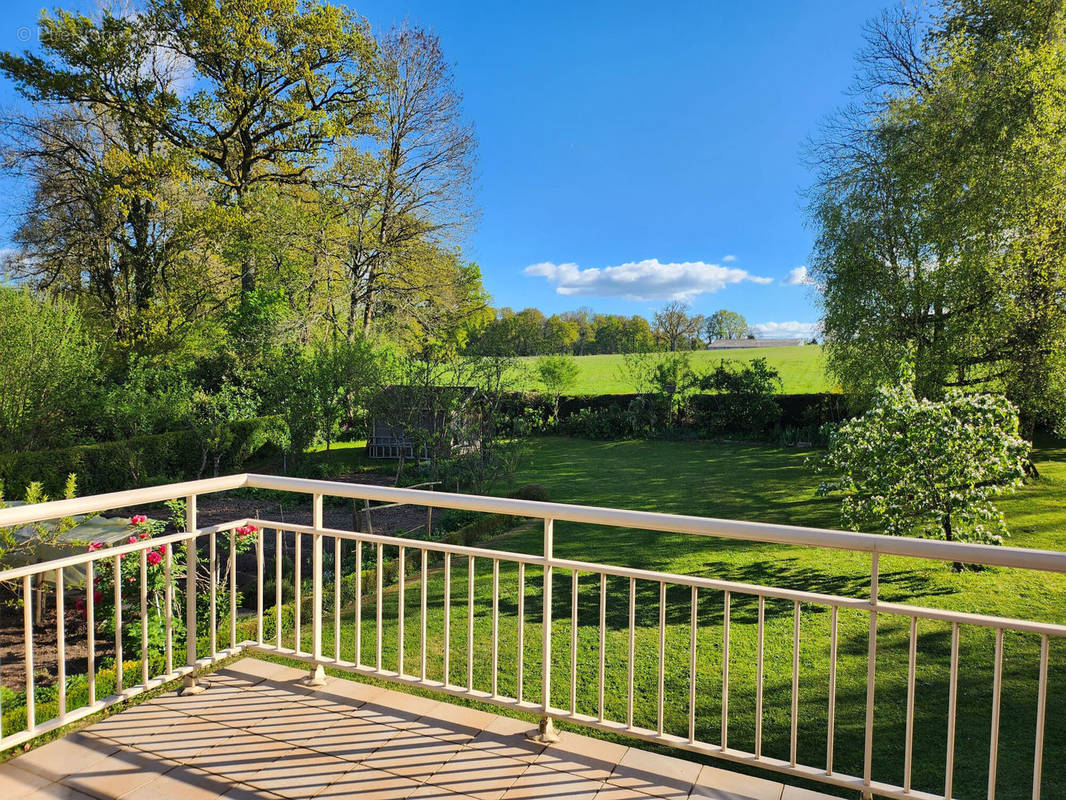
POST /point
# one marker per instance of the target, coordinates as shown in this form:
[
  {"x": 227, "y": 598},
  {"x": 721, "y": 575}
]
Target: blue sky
[{"x": 657, "y": 145}]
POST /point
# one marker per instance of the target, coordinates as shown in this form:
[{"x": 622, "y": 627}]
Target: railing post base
[
  {"x": 546, "y": 733},
  {"x": 316, "y": 677},
  {"x": 190, "y": 685}
]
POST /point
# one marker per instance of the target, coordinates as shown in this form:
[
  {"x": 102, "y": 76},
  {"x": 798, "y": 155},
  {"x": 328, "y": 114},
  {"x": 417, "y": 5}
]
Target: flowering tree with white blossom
[{"x": 931, "y": 468}]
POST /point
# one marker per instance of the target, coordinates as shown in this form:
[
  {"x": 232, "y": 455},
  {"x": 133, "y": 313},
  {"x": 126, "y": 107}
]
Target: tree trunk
[{"x": 950, "y": 537}]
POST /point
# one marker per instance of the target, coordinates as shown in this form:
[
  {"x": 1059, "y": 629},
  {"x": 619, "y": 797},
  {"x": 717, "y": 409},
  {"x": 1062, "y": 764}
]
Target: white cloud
[
  {"x": 729, "y": 259},
  {"x": 642, "y": 280},
  {"x": 799, "y": 277},
  {"x": 787, "y": 330}
]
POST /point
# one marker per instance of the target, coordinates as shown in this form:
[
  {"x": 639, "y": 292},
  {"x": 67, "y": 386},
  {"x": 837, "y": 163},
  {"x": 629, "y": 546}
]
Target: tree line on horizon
[{"x": 583, "y": 332}]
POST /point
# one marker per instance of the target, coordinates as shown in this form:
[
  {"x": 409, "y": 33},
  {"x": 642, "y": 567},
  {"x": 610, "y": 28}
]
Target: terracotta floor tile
[
  {"x": 412, "y": 755},
  {"x": 352, "y": 692},
  {"x": 655, "y": 774},
  {"x": 240, "y": 756},
  {"x": 453, "y": 723},
  {"x": 182, "y": 783},
  {"x": 428, "y": 791},
  {"x": 542, "y": 783},
  {"x": 795, "y": 793},
  {"x": 369, "y": 784},
  {"x": 57, "y": 791},
  {"x": 16, "y": 782},
  {"x": 118, "y": 774},
  {"x": 720, "y": 784},
  {"x": 257, "y": 669},
  {"x": 130, "y": 728},
  {"x": 611, "y": 792},
  {"x": 299, "y": 773},
  {"x": 582, "y": 755},
  {"x": 506, "y": 736},
  {"x": 185, "y": 739},
  {"x": 479, "y": 774},
  {"x": 353, "y": 740},
  {"x": 67, "y": 756},
  {"x": 295, "y": 723}
]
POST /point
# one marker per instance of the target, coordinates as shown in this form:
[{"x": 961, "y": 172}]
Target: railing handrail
[
  {"x": 934, "y": 549},
  {"x": 89, "y": 504}
]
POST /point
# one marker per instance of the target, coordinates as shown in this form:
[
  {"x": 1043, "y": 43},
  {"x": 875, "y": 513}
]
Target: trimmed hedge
[
  {"x": 140, "y": 461},
  {"x": 797, "y": 410}
]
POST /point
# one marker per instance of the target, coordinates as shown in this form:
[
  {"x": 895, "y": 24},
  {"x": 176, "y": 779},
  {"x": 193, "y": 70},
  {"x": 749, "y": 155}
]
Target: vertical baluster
[
  {"x": 338, "y": 553},
  {"x": 793, "y": 739},
  {"x": 573, "y": 640},
  {"x": 470, "y": 623},
  {"x": 871, "y": 673},
  {"x": 1041, "y": 715},
  {"x": 632, "y": 651},
  {"x": 168, "y": 611},
  {"x": 601, "y": 683},
  {"x": 725, "y": 668},
  {"x": 297, "y": 588},
  {"x": 317, "y": 675},
  {"x": 259, "y": 577},
  {"x": 90, "y": 628},
  {"x": 997, "y": 691},
  {"x": 27, "y": 646},
  {"x": 495, "y": 623},
  {"x": 546, "y": 627},
  {"x": 760, "y": 647},
  {"x": 61, "y": 644},
  {"x": 189, "y": 684},
  {"x": 693, "y": 630},
  {"x": 908, "y": 751},
  {"x": 401, "y": 575},
  {"x": 358, "y": 604},
  {"x": 662, "y": 658},
  {"x": 212, "y": 556},
  {"x": 422, "y": 638},
  {"x": 953, "y": 693},
  {"x": 278, "y": 563},
  {"x": 832, "y": 690},
  {"x": 232, "y": 590},
  {"x": 144, "y": 617},
  {"x": 447, "y": 618},
  {"x": 116, "y": 566},
  {"x": 521, "y": 628},
  {"x": 377, "y": 609}
]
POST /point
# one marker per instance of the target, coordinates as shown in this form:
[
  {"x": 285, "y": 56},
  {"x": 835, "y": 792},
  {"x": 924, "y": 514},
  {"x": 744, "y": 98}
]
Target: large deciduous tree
[
  {"x": 415, "y": 191},
  {"x": 941, "y": 206},
  {"x": 675, "y": 327},
  {"x": 725, "y": 324},
  {"x": 270, "y": 86}
]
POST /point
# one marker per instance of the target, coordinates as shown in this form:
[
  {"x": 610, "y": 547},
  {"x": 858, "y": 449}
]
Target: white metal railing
[{"x": 197, "y": 540}]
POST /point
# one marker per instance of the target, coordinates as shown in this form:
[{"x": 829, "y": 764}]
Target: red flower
[
  {"x": 138, "y": 519},
  {"x": 154, "y": 557},
  {"x": 79, "y": 604},
  {"x": 133, "y": 540},
  {"x": 98, "y": 596},
  {"x": 145, "y": 535},
  {"x": 95, "y": 546}
]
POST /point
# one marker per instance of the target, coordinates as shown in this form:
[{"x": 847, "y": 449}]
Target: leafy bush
[
  {"x": 742, "y": 399},
  {"x": 533, "y": 491},
  {"x": 140, "y": 461}
]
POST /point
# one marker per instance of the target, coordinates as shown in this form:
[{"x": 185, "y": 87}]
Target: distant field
[{"x": 802, "y": 369}]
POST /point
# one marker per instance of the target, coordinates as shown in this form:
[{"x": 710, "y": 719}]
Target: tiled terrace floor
[{"x": 257, "y": 733}]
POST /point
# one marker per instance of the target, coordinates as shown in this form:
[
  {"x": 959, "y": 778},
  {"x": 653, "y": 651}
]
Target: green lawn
[
  {"x": 802, "y": 370},
  {"x": 769, "y": 484},
  {"x": 766, "y": 484}
]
